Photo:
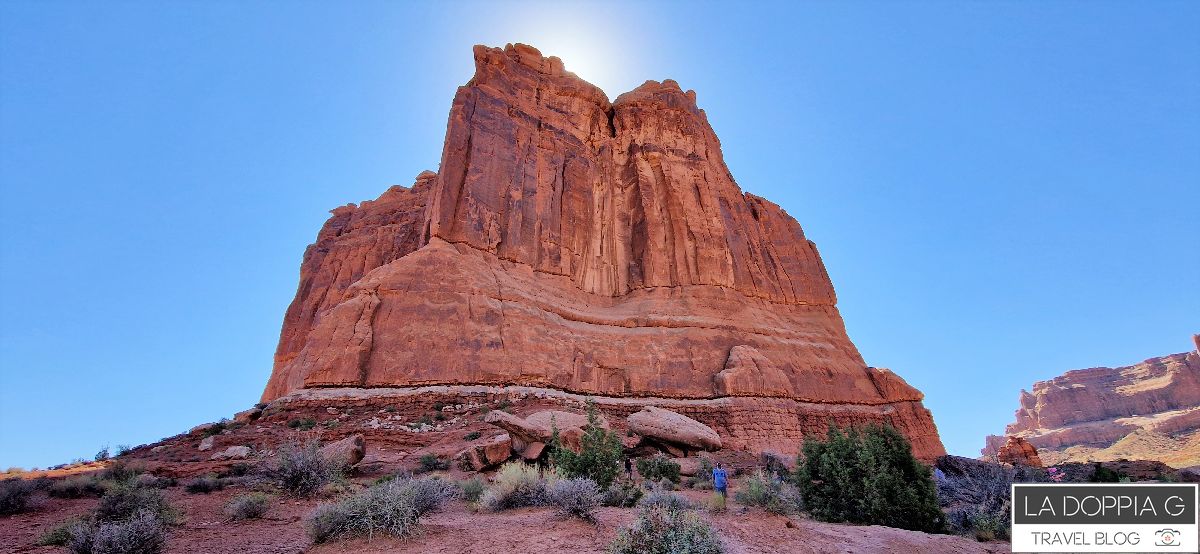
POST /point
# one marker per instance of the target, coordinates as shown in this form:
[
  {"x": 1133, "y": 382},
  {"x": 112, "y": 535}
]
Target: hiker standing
[
  {"x": 720, "y": 481},
  {"x": 629, "y": 467}
]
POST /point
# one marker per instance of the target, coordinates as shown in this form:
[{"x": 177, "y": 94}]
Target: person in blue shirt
[{"x": 720, "y": 481}]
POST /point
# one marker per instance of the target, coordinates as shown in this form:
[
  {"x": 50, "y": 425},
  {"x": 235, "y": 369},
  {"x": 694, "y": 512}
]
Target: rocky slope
[
  {"x": 1146, "y": 411},
  {"x": 601, "y": 248}
]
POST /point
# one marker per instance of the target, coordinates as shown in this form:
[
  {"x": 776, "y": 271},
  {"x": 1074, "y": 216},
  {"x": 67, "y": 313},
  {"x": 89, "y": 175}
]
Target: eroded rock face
[
  {"x": 1148, "y": 411},
  {"x": 1017, "y": 451},
  {"x": 579, "y": 244}
]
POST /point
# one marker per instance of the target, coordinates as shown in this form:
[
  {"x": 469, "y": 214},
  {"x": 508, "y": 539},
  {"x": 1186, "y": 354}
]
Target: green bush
[
  {"x": 248, "y": 506},
  {"x": 430, "y": 462},
  {"x": 662, "y": 529},
  {"x": 301, "y": 470},
  {"x": 390, "y": 508},
  {"x": 61, "y": 533},
  {"x": 658, "y": 468},
  {"x": 304, "y": 424},
  {"x": 516, "y": 485},
  {"x": 599, "y": 457},
  {"x": 125, "y": 500},
  {"x": 867, "y": 476},
  {"x": 622, "y": 494},
  {"x": 770, "y": 493},
  {"x": 15, "y": 495},
  {"x": 666, "y": 499},
  {"x": 472, "y": 489},
  {"x": 471, "y": 436}
]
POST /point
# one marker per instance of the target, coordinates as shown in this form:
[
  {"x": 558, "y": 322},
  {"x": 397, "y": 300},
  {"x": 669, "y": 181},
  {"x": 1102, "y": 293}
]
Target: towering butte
[{"x": 591, "y": 247}]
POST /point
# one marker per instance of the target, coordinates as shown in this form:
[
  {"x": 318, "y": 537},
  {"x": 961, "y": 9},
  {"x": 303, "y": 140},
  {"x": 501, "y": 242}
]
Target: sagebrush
[{"x": 390, "y": 508}]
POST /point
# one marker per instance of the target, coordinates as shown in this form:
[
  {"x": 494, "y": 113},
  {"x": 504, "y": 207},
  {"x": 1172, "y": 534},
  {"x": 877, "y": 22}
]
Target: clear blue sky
[{"x": 1001, "y": 191}]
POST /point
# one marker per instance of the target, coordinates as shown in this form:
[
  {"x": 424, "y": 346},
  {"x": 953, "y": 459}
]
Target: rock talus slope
[
  {"x": 587, "y": 246},
  {"x": 1147, "y": 411}
]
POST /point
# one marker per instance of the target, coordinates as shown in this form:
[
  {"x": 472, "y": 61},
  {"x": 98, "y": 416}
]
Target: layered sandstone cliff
[
  {"x": 1148, "y": 411},
  {"x": 594, "y": 247}
]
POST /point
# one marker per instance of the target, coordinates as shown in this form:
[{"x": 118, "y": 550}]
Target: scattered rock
[
  {"x": 247, "y": 416},
  {"x": 347, "y": 452},
  {"x": 671, "y": 427},
  {"x": 203, "y": 428},
  {"x": 233, "y": 453}
]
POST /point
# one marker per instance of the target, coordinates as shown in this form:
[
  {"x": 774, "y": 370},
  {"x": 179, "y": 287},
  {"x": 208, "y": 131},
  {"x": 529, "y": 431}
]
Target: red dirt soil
[{"x": 457, "y": 530}]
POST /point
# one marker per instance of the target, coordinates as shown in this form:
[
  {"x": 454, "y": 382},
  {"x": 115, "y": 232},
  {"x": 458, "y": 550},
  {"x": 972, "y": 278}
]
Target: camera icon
[{"x": 1166, "y": 537}]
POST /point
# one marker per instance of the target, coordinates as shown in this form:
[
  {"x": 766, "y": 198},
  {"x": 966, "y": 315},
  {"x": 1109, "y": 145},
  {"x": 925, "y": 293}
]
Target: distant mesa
[
  {"x": 1146, "y": 411},
  {"x": 592, "y": 247}
]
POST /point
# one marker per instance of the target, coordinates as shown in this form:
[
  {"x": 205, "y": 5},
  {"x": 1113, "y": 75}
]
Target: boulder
[
  {"x": 202, "y": 428},
  {"x": 489, "y": 453},
  {"x": 688, "y": 467},
  {"x": 533, "y": 451},
  {"x": 347, "y": 452},
  {"x": 233, "y": 453},
  {"x": 206, "y": 444},
  {"x": 538, "y": 427},
  {"x": 247, "y": 416},
  {"x": 670, "y": 427}
]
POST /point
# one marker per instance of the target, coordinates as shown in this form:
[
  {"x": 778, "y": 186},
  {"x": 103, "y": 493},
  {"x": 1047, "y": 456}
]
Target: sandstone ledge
[{"x": 744, "y": 423}]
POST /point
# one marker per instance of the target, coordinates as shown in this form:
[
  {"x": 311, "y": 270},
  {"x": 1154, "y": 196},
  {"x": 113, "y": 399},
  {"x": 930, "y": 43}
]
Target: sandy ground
[{"x": 459, "y": 530}]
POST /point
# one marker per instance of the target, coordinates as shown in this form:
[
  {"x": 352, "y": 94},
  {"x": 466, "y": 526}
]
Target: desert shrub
[
  {"x": 248, "y": 506},
  {"x": 102, "y": 454},
  {"x": 124, "y": 501},
  {"x": 204, "y": 485},
  {"x": 240, "y": 469},
  {"x": 868, "y": 476},
  {"x": 774, "y": 465},
  {"x": 123, "y": 449},
  {"x": 472, "y": 489},
  {"x": 1102, "y": 474},
  {"x": 142, "y": 533},
  {"x": 391, "y": 508},
  {"x": 15, "y": 495},
  {"x": 660, "y": 529},
  {"x": 622, "y": 494},
  {"x": 599, "y": 457},
  {"x": 217, "y": 428},
  {"x": 153, "y": 481},
  {"x": 667, "y": 500},
  {"x": 516, "y": 485},
  {"x": 304, "y": 424},
  {"x": 769, "y": 492},
  {"x": 301, "y": 470},
  {"x": 471, "y": 436},
  {"x": 81, "y": 486},
  {"x": 575, "y": 498},
  {"x": 119, "y": 471},
  {"x": 658, "y": 468},
  {"x": 430, "y": 462},
  {"x": 60, "y": 534},
  {"x": 978, "y": 501}
]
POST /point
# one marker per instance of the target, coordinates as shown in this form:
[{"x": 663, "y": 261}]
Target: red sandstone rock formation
[
  {"x": 1083, "y": 414},
  {"x": 583, "y": 245},
  {"x": 1017, "y": 451}
]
